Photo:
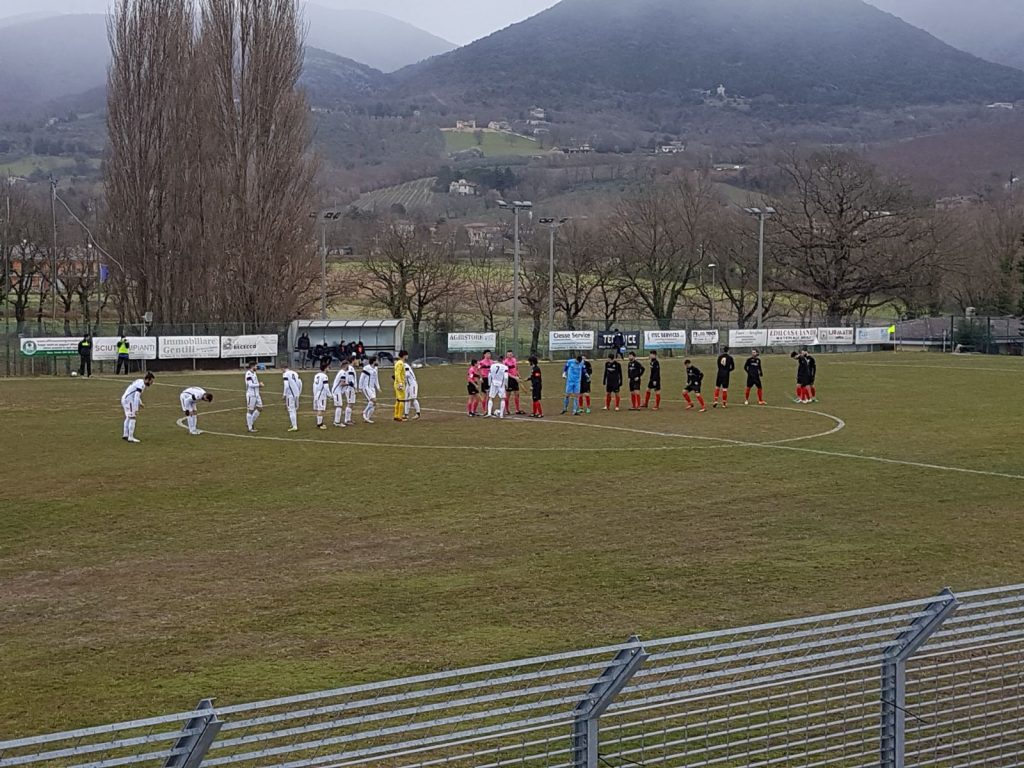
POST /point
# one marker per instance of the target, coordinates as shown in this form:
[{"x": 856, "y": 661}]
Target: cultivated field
[
  {"x": 140, "y": 578},
  {"x": 413, "y": 194},
  {"x": 494, "y": 143}
]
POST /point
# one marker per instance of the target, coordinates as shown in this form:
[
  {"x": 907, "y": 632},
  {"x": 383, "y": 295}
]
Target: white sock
[
  {"x": 131, "y": 428},
  {"x": 348, "y": 414},
  {"x": 249, "y": 418},
  {"x": 319, "y": 418},
  {"x": 293, "y": 417},
  {"x": 416, "y": 405},
  {"x": 255, "y": 415},
  {"x": 337, "y": 415},
  {"x": 490, "y": 407},
  {"x": 191, "y": 423},
  {"x": 125, "y": 432},
  {"x": 501, "y": 413},
  {"x": 372, "y": 407}
]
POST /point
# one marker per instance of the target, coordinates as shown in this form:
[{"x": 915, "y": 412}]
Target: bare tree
[
  {"x": 575, "y": 271},
  {"x": 845, "y": 238},
  {"x": 434, "y": 277},
  {"x": 661, "y": 231},
  {"x": 489, "y": 285},
  {"x": 734, "y": 253},
  {"x": 533, "y": 294}
]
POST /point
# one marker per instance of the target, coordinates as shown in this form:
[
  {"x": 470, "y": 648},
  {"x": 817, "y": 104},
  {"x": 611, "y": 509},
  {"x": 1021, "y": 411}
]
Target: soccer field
[{"x": 141, "y": 578}]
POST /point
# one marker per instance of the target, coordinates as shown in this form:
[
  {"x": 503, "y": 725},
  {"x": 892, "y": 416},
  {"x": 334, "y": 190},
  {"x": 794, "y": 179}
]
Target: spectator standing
[
  {"x": 123, "y": 356},
  {"x": 303, "y": 346},
  {"x": 85, "y": 355}
]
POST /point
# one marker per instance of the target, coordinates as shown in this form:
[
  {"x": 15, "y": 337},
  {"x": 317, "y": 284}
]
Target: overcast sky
[{"x": 459, "y": 21}]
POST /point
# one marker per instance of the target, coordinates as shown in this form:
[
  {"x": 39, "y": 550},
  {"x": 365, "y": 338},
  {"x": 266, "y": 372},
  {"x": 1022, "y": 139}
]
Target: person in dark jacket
[
  {"x": 85, "y": 355},
  {"x": 303, "y": 346}
]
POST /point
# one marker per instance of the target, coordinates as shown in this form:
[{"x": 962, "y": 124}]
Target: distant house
[
  {"x": 538, "y": 113},
  {"x": 1001, "y": 105},
  {"x": 465, "y": 125},
  {"x": 582, "y": 149},
  {"x": 499, "y": 125},
  {"x": 488, "y": 236},
  {"x": 720, "y": 91},
  {"x": 673, "y": 148},
  {"x": 463, "y": 188}
]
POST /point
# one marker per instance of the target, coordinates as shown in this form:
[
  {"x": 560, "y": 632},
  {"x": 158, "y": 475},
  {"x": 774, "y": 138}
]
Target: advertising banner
[
  {"x": 472, "y": 342},
  {"x": 664, "y": 339},
  {"x": 704, "y": 338},
  {"x": 835, "y": 335},
  {"x": 606, "y": 339},
  {"x": 793, "y": 337},
  {"x": 57, "y": 346},
  {"x": 260, "y": 345},
  {"x": 564, "y": 341},
  {"x": 185, "y": 347},
  {"x": 873, "y": 336},
  {"x": 748, "y": 337},
  {"x": 140, "y": 347}
]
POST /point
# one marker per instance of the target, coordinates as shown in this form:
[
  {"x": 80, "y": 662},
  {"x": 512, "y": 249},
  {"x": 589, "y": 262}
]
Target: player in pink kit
[
  {"x": 472, "y": 388},
  {"x": 513, "y": 384}
]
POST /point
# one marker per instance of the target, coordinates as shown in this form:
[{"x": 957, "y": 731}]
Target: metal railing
[{"x": 925, "y": 682}]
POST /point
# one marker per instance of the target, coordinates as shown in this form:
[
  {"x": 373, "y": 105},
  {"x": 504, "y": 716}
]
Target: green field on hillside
[
  {"x": 494, "y": 143},
  {"x": 141, "y": 578}
]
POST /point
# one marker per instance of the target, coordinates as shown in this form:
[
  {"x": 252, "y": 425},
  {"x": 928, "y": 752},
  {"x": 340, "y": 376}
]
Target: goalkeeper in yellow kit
[{"x": 399, "y": 378}]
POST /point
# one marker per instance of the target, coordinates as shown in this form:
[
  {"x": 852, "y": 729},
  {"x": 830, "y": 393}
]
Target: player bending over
[
  {"x": 537, "y": 386},
  {"x": 292, "y": 393},
  {"x": 190, "y": 400},
  {"x": 612, "y": 382},
  {"x": 131, "y": 402},
  {"x": 321, "y": 391},
  {"x": 498, "y": 389},
  {"x": 253, "y": 397},
  {"x": 369, "y": 385},
  {"x": 412, "y": 388},
  {"x": 635, "y": 373},
  {"x": 812, "y": 372},
  {"x": 654, "y": 383},
  {"x": 754, "y": 373},
  {"x": 694, "y": 380},
  {"x": 726, "y": 365},
  {"x": 573, "y": 375}
]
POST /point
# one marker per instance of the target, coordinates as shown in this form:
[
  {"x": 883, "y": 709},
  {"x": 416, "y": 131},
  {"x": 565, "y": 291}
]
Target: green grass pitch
[{"x": 141, "y": 578}]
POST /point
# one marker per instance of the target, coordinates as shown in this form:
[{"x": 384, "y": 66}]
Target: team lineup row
[{"x": 494, "y": 382}]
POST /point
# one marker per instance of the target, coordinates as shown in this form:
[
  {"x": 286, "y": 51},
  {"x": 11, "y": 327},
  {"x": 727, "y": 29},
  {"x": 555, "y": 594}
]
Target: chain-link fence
[{"x": 935, "y": 681}]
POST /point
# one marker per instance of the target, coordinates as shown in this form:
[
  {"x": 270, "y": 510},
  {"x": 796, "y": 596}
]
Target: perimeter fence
[{"x": 926, "y": 682}]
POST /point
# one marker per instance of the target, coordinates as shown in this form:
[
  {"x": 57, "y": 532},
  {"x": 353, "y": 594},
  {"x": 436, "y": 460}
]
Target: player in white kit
[
  {"x": 499, "y": 384},
  {"x": 131, "y": 402},
  {"x": 253, "y": 396},
  {"x": 344, "y": 391},
  {"x": 190, "y": 400},
  {"x": 292, "y": 393},
  {"x": 321, "y": 391},
  {"x": 412, "y": 387},
  {"x": 369, "y": 385}
]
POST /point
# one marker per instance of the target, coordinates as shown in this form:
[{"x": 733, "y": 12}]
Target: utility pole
[
  {"x": 761, "y": 214},
  {"x": 7, "y": 276},
  {"x": 515, "y": 206},
  {"x": 553, "y": 226},
  {"x": 323, "y": 270},
  {"x": 53, "y": 265}
]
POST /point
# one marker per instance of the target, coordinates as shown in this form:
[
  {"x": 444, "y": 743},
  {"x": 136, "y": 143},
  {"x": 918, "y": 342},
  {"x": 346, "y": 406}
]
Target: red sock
[
  {"x": 799, "y": 393},
  {"x": 657, "y": 400},
  {"x": 717, "y": 392},
  {"x": 760, "y": 395},
  {"x": 540, "y": 409},
  {"x": 686, "y": 397},
  {"x": 607, "y": 401},
  {"x": 746, "y": 393},
  {"x": 814, "y": 392},
  {"x": 647, "y": 399},
  {"x": 700, "y": 399},
  {"x": 725, "y": 396},
  {"x": 634, "y": 398},
  {"x": 589, "y": 402},
  {"x": 618, "y": 401}
]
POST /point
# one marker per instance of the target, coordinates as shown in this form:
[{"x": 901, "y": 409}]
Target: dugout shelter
[{"x": 380, "y": 337}]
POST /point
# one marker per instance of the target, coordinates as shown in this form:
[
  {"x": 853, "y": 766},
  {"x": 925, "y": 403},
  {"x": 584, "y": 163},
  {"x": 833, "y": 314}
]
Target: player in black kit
[
  {"x": 654, "y": 382},
  {"x": 694, "y": 379},
  {"x": 635, "y": 372},
  {"x": 726, "y": 365},
  {"x": 536, "y": 384},
  {"x": 612, "y": 382},
  {"x": 754, "y": 373}
]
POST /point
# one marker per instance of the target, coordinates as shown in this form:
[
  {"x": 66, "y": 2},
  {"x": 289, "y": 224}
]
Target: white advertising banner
[
  {"x": 50, "y": 347},
  {"x": 664, "y": 339},
  {"x": 704, "y": 338},
  {"x": 793, "y": 337},
  {"x": 835, "y": 335},
  {"x": 563, "y": 341},
  {"x": 472, "y": 342},
  {"x": 184, "y": 347},
  {"x": 748, "y": 337},
  {"x": 140, "y": 347},
  {"x": 873, "y": 336},
  {"x": 260, "y": 345}
]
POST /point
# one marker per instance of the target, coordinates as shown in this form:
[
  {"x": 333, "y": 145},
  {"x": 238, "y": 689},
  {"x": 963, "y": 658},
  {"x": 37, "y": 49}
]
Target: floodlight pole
[
  {"x": 323, "y": 270},
  {"x": 7, "y": 277},
  {"x": 761, "y": 214},
  {"x": 515, "y": 207},
  {"x": 553, "y": 226},
  {"x": 53, "y": 273}
]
